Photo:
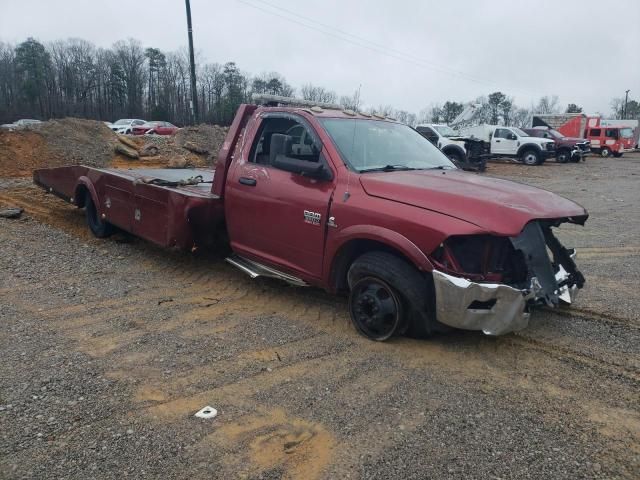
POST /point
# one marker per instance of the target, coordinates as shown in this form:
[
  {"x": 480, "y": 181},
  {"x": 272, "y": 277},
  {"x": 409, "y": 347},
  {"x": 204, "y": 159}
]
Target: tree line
[{"x": 75, "y": 78}]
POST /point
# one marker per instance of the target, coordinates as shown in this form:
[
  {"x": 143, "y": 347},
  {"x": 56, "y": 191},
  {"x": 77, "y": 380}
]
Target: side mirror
[
  {"x": 512, "y": 136},
  {"x": 280, "y": 157},
  {"x": 301, "y": 167}
]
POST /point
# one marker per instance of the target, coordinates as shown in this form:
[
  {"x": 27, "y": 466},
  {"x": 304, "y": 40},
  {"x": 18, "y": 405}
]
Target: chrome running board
[{"x": 255, "y": 269}]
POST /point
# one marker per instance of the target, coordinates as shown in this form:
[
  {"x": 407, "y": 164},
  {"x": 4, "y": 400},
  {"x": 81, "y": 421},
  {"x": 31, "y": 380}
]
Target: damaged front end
[{"x": 490, "y": 283}]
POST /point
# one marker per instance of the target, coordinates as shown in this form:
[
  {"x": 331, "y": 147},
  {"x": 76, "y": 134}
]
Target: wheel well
[
  {"x": 349, "y": 252},
  {"x": 80, "y": 195},
  {"x": 453, "y": 149},
  {"x": 529, "y": 146}
]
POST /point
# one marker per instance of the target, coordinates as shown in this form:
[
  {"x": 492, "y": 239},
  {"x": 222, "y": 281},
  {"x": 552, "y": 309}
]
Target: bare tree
[
  {"x": 617, "y": 107},
  {"x": 318, "y": 94},
  {"x": 547, "y": 105}
]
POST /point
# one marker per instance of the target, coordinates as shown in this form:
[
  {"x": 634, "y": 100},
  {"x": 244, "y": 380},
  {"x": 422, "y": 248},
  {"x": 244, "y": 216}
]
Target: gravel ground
[{"x": 110, "y": 347}]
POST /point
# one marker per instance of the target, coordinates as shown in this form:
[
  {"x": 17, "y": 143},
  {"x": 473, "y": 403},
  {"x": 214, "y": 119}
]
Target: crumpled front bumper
[{"x": 493, "y": 308}]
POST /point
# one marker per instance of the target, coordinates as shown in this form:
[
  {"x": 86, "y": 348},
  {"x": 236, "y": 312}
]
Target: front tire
[
  {"x": 389, "y": 296},
  {"x": 531, "y": 157},
  {"x": 98, "y": 227},
  {"x": 456, "y": 158},
  {"x": 563, "y": 156},
  {"x": 605, "y": 152}
]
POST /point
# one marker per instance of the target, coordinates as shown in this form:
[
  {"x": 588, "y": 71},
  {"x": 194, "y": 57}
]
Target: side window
[
  {"x": 611, "y": 133},
  {"x": 502, "y": 133},
  {"x": 594, "y": 132},
  {"x": 299, "y": 143}
]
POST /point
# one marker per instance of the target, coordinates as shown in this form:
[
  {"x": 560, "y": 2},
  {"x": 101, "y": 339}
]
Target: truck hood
[{"x": 498, "y": 206}]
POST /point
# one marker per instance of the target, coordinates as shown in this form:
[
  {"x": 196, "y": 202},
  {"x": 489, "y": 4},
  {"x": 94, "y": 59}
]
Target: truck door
[
  {"x": 612, "y": 139},
  {"x": 274, "y": 216},
  {"x": 504, "y": 142}
]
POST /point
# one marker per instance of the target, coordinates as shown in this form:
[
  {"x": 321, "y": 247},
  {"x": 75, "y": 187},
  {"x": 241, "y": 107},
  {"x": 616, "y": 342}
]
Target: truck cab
[
  {"x": 568, "y": 149},
  {"x": 443, "y": 137},
  {"x": 610, "y": 141},
  {"x": 512, "y": 142}
]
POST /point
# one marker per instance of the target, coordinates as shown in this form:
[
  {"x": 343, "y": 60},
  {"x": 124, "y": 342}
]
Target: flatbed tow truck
[{"x": 352, "y": 203}]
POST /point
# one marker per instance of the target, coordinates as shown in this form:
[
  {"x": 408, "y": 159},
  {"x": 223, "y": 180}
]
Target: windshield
[
  {"x": 519, "y": 132},
  {"x": 626, "y": 132},
  {"x": 123, "y": 121},
  {"x": 445, "y": 130},
  {"x": 367, "y": 145}
]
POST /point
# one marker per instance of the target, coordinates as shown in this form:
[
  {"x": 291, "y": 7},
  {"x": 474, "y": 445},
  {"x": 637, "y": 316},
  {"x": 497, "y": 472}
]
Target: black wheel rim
[{"x": 375, "y": 308}]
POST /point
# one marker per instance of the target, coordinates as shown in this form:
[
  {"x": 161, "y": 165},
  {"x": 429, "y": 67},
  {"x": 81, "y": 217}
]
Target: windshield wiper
[
  {"x": 388, "y": 168},
  {"x": 441, "y": 167}
]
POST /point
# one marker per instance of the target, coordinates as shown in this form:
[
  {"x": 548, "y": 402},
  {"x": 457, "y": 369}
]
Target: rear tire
[
  {"x": 98, "y": 227},
  {"x": 605, "y": 152},
  {"x": 531, "y": 157},
  {"x": 381, "y": 282}
]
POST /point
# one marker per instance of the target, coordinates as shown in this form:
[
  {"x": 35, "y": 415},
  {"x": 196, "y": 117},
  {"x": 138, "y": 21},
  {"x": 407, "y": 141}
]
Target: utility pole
[
  {"x": 626, "y": 97},
  {"x": 194, "y": 93}
]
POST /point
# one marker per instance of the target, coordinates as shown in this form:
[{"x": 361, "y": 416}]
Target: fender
[
  {"x": 528, "y": 146},
  {"x": 88, "y": 184},
  {"x": 382, "y": 235}
]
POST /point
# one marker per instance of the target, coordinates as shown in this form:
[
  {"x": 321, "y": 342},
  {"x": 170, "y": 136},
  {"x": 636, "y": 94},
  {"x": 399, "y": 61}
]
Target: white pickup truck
[
  {"x": 510, "y": 142},
  {"x": 485, "y": 142}
]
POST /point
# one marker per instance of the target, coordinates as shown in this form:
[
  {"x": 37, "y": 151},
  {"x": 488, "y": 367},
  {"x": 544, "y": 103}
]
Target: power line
[
  {"x": 377, "y": 45},
  {"x": 368, "y": 44}
]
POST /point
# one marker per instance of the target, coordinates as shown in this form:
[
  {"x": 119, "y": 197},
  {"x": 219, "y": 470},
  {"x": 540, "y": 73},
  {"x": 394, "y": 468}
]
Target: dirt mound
[
  {"x": 202, "y": 139},
  {"x": 78, "y": 141},
  {"x": 73, "y": 141},
  {"x": 68, "y": 141}
]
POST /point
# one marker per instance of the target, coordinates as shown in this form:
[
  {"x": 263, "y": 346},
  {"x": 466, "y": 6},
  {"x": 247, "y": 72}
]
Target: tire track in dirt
[{"x": 254, "y": 435}]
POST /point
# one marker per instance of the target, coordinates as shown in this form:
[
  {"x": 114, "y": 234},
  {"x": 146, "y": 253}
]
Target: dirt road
[{"x": 110, "y": 347}]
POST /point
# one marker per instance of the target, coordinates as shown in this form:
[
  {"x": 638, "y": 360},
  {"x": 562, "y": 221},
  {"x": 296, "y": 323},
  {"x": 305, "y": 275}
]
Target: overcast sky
[{"x": 408, "y": 54}]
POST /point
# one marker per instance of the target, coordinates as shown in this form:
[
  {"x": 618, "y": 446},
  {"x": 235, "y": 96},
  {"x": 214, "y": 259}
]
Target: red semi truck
[
  {"x": 351, "y": 203},
  {"x": 606, "y": 137}
]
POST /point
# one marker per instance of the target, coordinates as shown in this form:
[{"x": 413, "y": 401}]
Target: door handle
[
  {"x": 251, "y": 182},
  {"x": 497, "y": 141}
]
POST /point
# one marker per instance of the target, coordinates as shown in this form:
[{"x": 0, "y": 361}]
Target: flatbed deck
[{"x": 170, "y": 207}]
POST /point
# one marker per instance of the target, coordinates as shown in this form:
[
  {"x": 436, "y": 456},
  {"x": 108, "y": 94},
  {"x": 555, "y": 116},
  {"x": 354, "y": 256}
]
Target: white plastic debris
[{"x": 207, "y": 412}]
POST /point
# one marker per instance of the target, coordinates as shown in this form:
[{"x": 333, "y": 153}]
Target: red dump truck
[{"x": 352, "y": 203}]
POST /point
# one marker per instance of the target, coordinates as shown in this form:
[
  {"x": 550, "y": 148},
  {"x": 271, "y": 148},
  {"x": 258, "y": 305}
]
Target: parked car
[
  {"x": 567, "y": 148},
  {"x": 126, "y": 125},
  {"x": 22, "y": 123},
  {"x": 155, "y": 128}
]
